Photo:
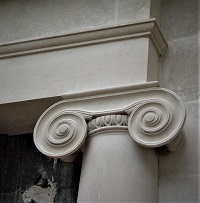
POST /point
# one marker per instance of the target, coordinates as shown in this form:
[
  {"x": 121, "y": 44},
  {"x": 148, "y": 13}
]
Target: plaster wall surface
[
  {"x": 21, "y": 20},
  {"x": 179, "y": 72}
]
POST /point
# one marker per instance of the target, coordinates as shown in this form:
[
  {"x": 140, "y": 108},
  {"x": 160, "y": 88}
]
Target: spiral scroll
[
  {"x": 154, "y": 123},
  {"x": 61, "y": 134}
]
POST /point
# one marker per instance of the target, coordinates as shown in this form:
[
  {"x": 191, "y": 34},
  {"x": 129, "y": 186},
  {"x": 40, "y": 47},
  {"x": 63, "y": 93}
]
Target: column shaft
[{"x": 116, "y": 169}]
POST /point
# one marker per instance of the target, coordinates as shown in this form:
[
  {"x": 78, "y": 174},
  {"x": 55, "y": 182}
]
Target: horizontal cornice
[
  {"x": 109, "y": 91},
  {"x": 147, "y": 28}
]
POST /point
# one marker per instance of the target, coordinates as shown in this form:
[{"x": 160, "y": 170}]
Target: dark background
[{"x": 22, "y": 164}]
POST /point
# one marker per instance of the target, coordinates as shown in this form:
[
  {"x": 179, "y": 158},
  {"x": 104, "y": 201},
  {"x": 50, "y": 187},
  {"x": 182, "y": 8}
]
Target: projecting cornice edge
[{"x": 148, "y": 28}]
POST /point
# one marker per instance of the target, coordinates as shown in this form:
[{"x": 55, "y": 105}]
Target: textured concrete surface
[
  {"x": 179, "y": 65},
  {"x": 22, "y": 20},
  {"x": 178, "y": 180},
  {"x": 21, "y": 170},
  {"x": 179, "y": 68},
  {"x": 180, "y": 18}
]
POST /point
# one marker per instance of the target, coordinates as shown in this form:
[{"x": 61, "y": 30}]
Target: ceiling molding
[{"x": 148, "y": 28}]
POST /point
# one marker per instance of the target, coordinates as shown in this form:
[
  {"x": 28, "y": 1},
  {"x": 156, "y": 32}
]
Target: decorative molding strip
[
  {"x": 158, "y": 39},
  {"x": 155, "y": 118},
  {"x": 177, "y": 143},
  {"x": 147, "y": 28},
  {"x": 109, "y": 91},
  {"x": 107, "y": 121}
]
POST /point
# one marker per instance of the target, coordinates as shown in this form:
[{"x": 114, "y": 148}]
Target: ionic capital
[{"x": 154, "y": 117}]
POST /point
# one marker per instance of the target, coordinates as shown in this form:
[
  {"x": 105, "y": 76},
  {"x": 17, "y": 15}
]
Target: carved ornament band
[{"x": 108, "y": 120}]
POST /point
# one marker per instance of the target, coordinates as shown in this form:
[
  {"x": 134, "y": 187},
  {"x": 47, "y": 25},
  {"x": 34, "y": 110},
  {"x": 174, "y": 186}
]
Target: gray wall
[
  {"x": 21, "y": 20},
  {"x": 179, "y": 72}
]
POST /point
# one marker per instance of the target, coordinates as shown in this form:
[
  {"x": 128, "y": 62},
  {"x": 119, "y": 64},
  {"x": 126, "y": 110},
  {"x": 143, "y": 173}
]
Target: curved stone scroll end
[
  {"x": 177, "y": 143},
  {"x": 60, "y": 134},
  {"x": 69, "y": 158},
  {"x": 154, "y": 123}
]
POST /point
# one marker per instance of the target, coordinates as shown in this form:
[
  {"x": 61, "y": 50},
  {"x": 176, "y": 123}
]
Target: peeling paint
[{"x": 42, "y": 192}]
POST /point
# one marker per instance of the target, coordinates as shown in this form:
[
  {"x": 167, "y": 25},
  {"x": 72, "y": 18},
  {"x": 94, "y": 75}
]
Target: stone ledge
[{"x": 148, "y": 28}]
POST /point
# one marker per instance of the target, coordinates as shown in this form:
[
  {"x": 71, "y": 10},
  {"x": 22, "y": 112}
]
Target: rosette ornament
[
  {"x": 60, "y": 134},
  {"x": 154, "y": 123}
]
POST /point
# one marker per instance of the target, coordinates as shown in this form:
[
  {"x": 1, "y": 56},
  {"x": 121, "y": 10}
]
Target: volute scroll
[
  {"x": 156, "y": 122},
  {"x": 60, "y": 135}
]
